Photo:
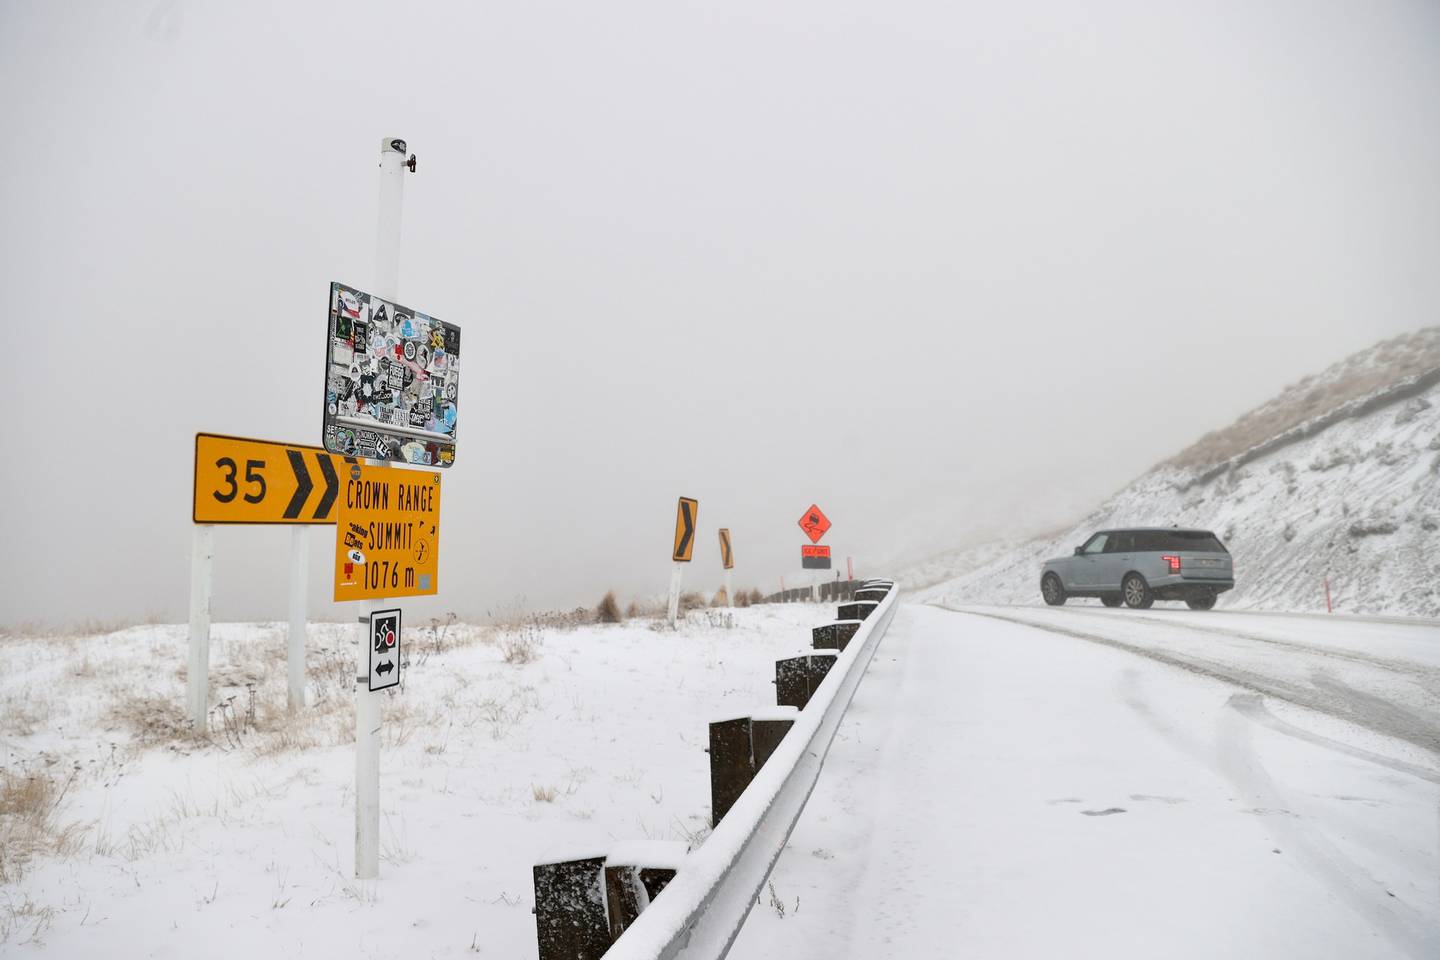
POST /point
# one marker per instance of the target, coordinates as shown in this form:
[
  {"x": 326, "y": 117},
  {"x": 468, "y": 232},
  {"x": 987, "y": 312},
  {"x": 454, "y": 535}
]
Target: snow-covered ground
[
  {"x": 1000, "y": 790},
  {"x": 243, "y": 847}
]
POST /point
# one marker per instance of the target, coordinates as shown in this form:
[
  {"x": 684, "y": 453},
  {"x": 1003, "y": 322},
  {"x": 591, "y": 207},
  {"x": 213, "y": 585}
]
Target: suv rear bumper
[{"x": 1184, "y": 588}]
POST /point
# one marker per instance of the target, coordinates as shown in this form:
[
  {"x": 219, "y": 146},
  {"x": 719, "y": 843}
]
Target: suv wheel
[
  {"x": 1201, "y": 603},
  {"x": 1137, "y": 592},
  {"x": 1112, "y": 600},
  {"x": 1052, "y": 590}
]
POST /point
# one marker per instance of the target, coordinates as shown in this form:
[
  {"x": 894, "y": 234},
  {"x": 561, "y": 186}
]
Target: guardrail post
[
  {"x": 629, "y": 888},
  {"x": 570, "y": 910},
  {"x": 738, "y": 749},
  {"x": 797, "y": 678},
  {"x": 833, "y": 636},
  {"x": 582, "y": 906},
  {"x": 856, "y": 610}
]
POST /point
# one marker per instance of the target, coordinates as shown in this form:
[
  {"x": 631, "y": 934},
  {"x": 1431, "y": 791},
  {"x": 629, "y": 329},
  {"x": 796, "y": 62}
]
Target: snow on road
[{"x": 1002, "y": 790}]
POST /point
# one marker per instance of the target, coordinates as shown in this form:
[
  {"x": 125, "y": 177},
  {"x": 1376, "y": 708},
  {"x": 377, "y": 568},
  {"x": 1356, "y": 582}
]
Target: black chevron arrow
[
  {"x": 332, "y": 488},
  {"x": 689, "y": 532},
  {"x": 303, "y": 484}
]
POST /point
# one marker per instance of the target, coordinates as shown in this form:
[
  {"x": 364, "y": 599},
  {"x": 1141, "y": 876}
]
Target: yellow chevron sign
[
  {"x": 685, "y": 515},
  {"x": 239, "y": 480}
]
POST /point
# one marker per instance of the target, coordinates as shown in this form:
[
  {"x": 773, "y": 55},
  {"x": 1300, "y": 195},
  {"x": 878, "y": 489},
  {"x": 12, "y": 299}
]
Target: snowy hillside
[{"x": 1337, "y": 477}]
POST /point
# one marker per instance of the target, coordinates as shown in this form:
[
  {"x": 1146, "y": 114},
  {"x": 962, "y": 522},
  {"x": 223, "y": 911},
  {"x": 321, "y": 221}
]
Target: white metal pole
[
  {"x": 729, "y": 594},
  {"x": 299, "y": 603},
  {"x": 674, "y": 611},
  {"x": 197, "y": 676},
  {"x": 367, "y": 704}
]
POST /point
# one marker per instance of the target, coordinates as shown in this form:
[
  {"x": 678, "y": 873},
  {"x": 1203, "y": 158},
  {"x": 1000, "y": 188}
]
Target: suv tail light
[{"x": 1174, "y": 562}]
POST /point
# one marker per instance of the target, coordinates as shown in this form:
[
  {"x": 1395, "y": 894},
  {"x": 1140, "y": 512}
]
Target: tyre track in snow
[
  {"x": 1428, "y": 677},
  {"x": 1237, "y": 761},
  {"x": 1329, "y": 698}
]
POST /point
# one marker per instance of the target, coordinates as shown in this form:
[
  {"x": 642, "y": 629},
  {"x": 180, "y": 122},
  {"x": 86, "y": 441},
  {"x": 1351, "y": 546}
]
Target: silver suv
[{"x": 1139, "y": 565}]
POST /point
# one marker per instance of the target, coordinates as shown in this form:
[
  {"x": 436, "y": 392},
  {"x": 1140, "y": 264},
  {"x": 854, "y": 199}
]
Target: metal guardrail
[{"x": 703, "y": 908}]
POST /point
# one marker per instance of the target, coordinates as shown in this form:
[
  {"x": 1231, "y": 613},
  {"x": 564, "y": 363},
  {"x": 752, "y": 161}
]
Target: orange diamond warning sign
[{"x": 814, "y": 523}]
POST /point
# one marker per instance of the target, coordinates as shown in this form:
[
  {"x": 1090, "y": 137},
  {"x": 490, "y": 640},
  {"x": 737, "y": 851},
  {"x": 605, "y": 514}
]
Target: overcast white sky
[{"x": 948, "y": 269}]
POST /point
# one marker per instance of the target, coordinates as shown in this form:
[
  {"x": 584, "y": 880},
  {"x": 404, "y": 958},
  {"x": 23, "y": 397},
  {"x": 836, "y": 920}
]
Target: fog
[{"x": 949, "y": 271}]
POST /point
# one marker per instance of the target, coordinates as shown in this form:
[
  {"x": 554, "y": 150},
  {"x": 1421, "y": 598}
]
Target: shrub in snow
[
  {"x": 1373, "y": 527},
  {"x": 1387, "y": 453},
  {"x": 1336, "y": 456},
  {"x": 1412, "y": 409},
  {"x": 609, "y": 609}
]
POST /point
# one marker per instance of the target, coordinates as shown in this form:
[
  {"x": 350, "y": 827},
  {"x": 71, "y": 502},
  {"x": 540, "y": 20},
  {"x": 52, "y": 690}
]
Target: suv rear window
[{"x": 1176, "y": 541}]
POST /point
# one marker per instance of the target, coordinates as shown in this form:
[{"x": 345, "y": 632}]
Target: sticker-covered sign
[
  {"x": 814, "y": 523},
  {"x": 686, "y": 513},
  {"x": 387, "y": 534},
  {"x": 384, "y": 649},
  {"x": 239, "y": 480},
  {"x": 392, "y": 381},
  {"x": 814, "y": 558},
  {"x": 727, "y": 553}
]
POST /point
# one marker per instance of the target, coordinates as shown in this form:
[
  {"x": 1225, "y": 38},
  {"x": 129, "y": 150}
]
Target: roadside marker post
[
  {"x": 727, "y": 561},
  {"x": 687, "y": 511}
]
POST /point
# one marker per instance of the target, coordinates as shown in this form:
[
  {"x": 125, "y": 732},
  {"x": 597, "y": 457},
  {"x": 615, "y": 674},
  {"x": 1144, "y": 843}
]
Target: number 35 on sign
[{"x": 387, "y": 534}]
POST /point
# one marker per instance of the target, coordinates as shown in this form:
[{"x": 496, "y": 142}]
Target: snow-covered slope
[{"x": 1338, "y": 478}]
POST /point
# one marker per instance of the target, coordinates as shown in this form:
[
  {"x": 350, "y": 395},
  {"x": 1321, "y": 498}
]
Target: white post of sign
[
  {"x": 299, "y": 597},
  {"x": 674, "y": 610},
  {"x": 367, "y": 704},
  {"x": 729, "y": 594},
  {"x": 197, "y": 676}
]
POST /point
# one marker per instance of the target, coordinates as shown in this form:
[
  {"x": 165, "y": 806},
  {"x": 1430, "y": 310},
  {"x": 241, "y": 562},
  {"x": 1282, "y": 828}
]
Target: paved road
[{"x": 1087, "y": 785}]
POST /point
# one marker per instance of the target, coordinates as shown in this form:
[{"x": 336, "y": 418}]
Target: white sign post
[
  {"x": 367, "y": 700},
  {"x": 299, "y": 589},
  {"x": 197, "y": 678},
  {"x": 673, "y": 610}
]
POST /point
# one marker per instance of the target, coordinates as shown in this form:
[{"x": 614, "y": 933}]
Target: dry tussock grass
[
  {"x": 608, "y": 610},
  {"x": 150, "y": 719},
  {"x": 23, "y": 920},
  {"x": 24, "y": 711},
  {"x": 1381, "y": 366},
  {"x": 28, "y": 803}
]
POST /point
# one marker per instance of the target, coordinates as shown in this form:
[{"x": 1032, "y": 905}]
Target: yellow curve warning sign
[
  {"x": 387, "y": 534},
  {"x": 240, "y": 480},
  {"x": 685, "y": 516}
]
